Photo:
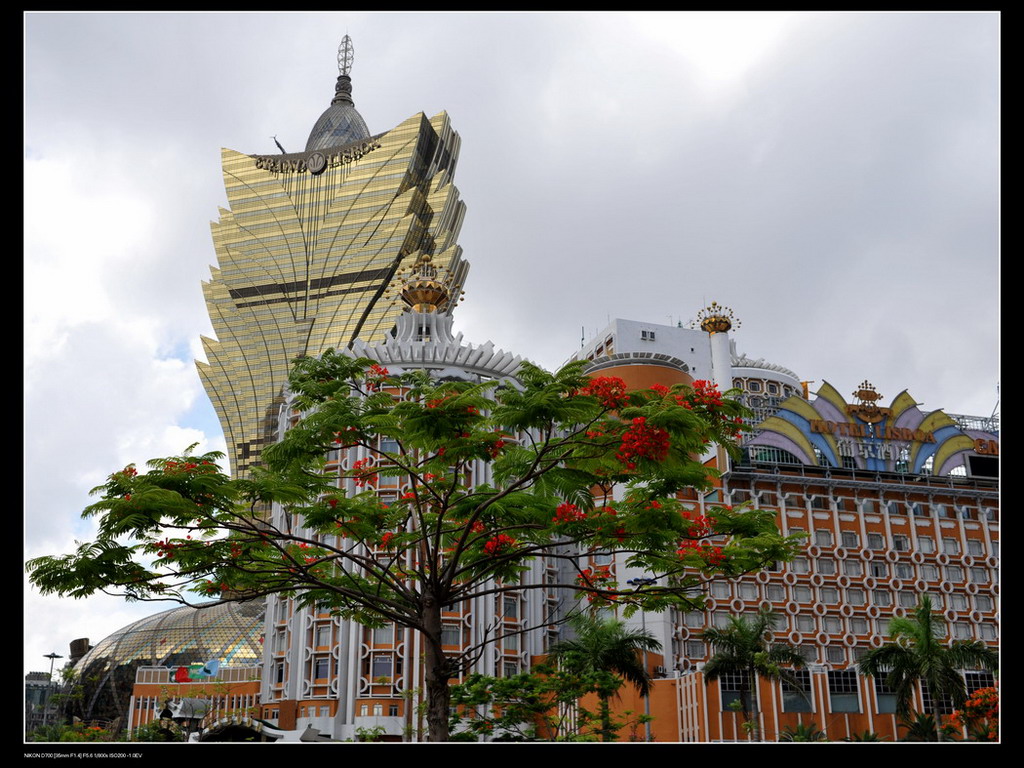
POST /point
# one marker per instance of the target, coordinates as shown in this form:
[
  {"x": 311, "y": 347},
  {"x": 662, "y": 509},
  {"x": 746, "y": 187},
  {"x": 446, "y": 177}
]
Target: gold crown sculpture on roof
[
  {"x": 426, "y": 289},
  {"x": 717, "y": 318}
]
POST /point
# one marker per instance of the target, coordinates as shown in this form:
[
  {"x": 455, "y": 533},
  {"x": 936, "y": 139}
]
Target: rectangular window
[
  {"x": 323, "y": 635},
  {"x": 882, "y": 627},
  {"x": 802, "y": 594},
  {"x": 823, "y": 538},
  {"x": 895, "y": 508},
  {"x": 926, "y": 544},
  {"x": 451, "y": 634},
  {"x": 512, "y": 642},
  {"x": 511, "y": 607},
  {"x": 842, "y": 690},
  {"x": 855, "y": 596},
  {"x": 954, "y": 573},
  {"x": 775, "y": 592},
  {"x": 800, "y": 565},
  {"x": 904, "y": 571},
  {"x": 945, "y": 704},
  {"x": 929, "y": 572},
  {"x": 696, "y": 649},
  {"x": 879, "y": 569},
  {"x": 796, "y": 693},
  {"x": 853, "y": 567},
  {"x": 951, "y": 546},
  {"x": 825, "y": 566},
  {"x": 876, "y": 541},
  {"x": 881, "y": 598},
  {"x": 979, "y": 575},
  {"x": 833, "y": 625},
  {"x": 805, "y": 622},
  {"x": 731, "y": 684},
  {"x": 850, "y": 539},
  {"x": 975, "y": 547},
  {"x": 392, "y": 710},
  {"x": 961, "y": 631},
  {"x": 907, "y": 599},
  {"x": 987, "y": 631},
  {"x": 720, "y": 589},
  {"x": 384, "y": 635},
  {"x": 983, "y": 603},
  {"x": 381, "y": 666},
  {"x": 885, "y": 697},
  {"x": 835, "y": 654},
  {"x": 321, "y": 667},
  {"x": 694, "y": 619},
  {"x": 901, "y": 543},
  {"x": 748, "y": 591},
  {"x": 858, "y": 626},
  {"x": 828, "y": 595}
]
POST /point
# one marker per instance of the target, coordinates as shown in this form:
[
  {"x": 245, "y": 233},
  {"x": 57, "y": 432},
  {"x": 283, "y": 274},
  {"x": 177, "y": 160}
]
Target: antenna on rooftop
[{"x": 279, "y": 145}]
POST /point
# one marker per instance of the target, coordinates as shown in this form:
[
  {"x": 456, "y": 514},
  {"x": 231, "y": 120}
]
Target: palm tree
[
  {"x": 918, "y": 653},
  {"x": 608, "y": 651},
  {"x": 743, "y": 648}
]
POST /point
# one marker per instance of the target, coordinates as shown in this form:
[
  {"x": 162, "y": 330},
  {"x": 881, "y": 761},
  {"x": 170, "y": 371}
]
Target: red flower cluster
[
  {"x": 374, "y": 376},
  {"x": 642, "y": 442},
  {"x": 980, "y": 713},
  {"x": 702, "y": 524},
  {"x": 364, "y": 477},
  {"x": 500, "y": 544},
  {"x": 709, "y": 554},
  {"x": 600, "y": 578},
  {"x": 129, "y": 471},
  {"x": 568, "y": 513},
  {"x": 610, "y": 390},
  {"x": 385, "y": 540},
  {"x": 165, "y": 548},
  {"x": 705, "y": 394}
]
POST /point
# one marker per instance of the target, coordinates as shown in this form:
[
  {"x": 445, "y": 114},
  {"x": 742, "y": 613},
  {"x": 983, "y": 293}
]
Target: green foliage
[
  {"x": 556, "y": 446},
  {"x": 918, "y": 653},
  {"x": 804, "y": 732},
  {"x": 606, "y": 653},
  {"x": 76, "y": 732},
  {"x": 744, "y": 648},
  {"x": 542, "y": 705},
  {"x": 864, "y": 736},
  {"x": 371, "y": 733},
  {"x": 919, "y": 726}
]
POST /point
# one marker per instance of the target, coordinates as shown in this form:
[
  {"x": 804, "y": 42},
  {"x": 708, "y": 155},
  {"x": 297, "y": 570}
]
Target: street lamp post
[
  {"x": 49, "y": 688},
  {"x": 637, "y": 585}
]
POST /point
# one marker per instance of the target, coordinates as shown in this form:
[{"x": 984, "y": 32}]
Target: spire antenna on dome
[
  {"x": 340, "y": 124},
  {"x": 345, "y": 54}
]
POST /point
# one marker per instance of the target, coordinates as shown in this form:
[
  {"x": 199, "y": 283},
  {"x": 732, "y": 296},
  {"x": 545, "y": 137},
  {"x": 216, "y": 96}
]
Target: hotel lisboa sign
[{"x": 862, "y": 434}]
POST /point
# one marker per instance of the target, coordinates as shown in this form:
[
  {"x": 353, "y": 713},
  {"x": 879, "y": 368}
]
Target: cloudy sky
[{"x": 832, "y": 177}]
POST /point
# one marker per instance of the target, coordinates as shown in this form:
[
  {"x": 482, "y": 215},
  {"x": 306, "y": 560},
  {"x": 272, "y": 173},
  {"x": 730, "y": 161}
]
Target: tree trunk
[
  {"x": 755, "y": 716},
  {"x": 606, "y": 719},
  {"x": 437, "y": 671}
]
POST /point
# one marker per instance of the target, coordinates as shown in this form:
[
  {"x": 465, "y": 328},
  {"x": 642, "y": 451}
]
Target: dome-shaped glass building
[{"x": 230, "y": 633}]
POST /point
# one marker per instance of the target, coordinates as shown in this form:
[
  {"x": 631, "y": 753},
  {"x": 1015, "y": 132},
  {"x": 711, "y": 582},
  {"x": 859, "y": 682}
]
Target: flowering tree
[
  {"x": 979, "y": 715},
  {"x": 553, "y": 448}
]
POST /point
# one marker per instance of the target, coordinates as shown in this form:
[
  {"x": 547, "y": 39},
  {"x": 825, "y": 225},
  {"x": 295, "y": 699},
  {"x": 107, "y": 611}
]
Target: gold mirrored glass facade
[{"x": 306, "y": 251}]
